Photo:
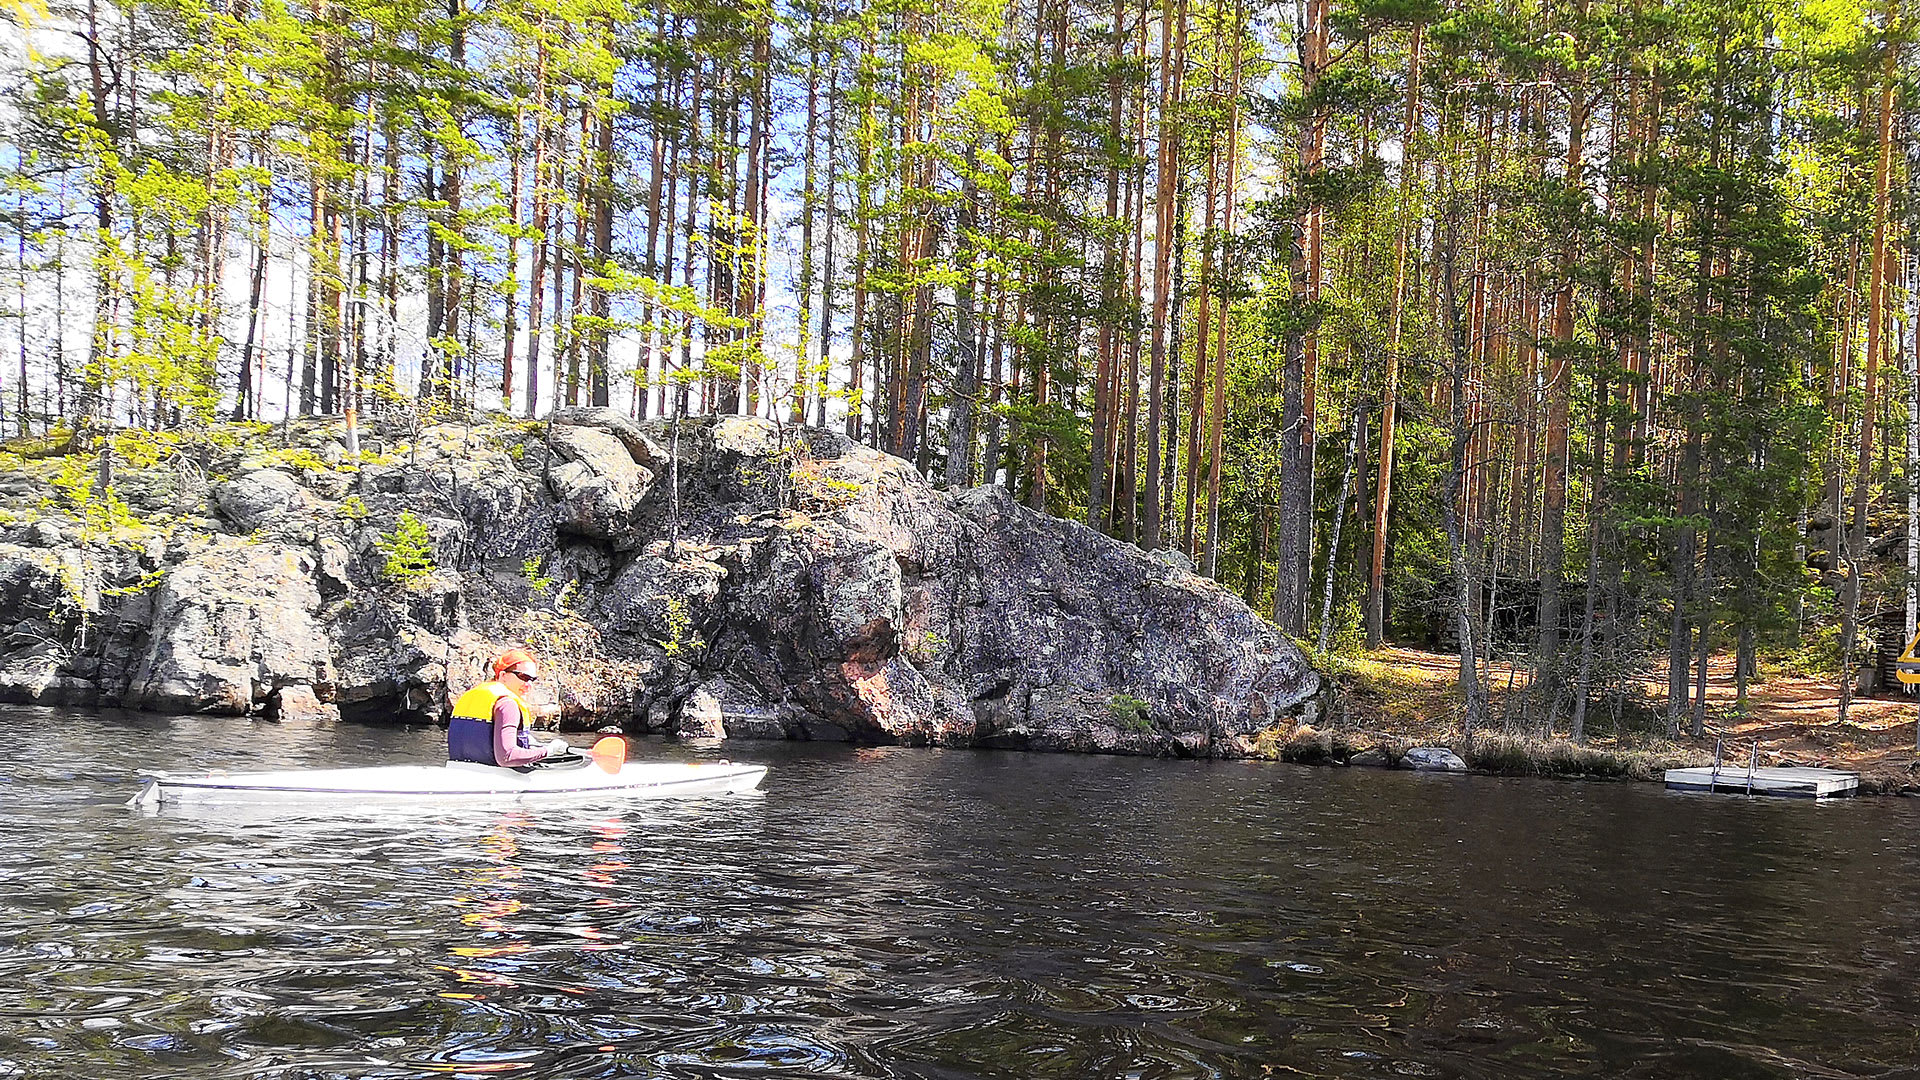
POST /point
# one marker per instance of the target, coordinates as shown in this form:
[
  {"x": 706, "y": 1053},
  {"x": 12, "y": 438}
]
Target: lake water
[{"x": 943, "y": 914}]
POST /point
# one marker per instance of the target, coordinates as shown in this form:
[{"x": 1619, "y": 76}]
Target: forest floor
[{"x": 1410, "y": 697}]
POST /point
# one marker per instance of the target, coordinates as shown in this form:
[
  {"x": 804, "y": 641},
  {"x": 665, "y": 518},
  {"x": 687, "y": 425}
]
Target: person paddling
[{"x": 492, "y": 723}]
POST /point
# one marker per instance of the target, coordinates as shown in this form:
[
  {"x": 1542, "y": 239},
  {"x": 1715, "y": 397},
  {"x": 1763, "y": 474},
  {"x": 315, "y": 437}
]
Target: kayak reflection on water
[
  {"x": 505, "y": 930},
  {"x": 495, "y": 905}
]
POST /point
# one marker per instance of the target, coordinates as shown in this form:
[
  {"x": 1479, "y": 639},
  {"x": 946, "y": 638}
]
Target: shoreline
[{"x": 1398, "y": 697}]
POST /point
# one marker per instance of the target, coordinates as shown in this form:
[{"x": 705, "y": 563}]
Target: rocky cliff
[{"x": 728, "y": 578}]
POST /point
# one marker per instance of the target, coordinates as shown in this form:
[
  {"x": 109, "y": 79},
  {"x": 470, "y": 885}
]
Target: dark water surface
[{"x": 946, "y": 914}]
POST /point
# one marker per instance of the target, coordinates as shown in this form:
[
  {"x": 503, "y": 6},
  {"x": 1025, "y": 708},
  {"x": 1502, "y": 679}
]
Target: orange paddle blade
[{"x": 610, "y": 753}]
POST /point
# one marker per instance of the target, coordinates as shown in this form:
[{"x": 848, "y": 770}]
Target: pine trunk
[
  {"x": 1173, "y": 45},
  {"x": 1396, "y": 319}
]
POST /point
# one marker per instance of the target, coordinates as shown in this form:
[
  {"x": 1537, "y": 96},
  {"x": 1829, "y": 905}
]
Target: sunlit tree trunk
[
  {"x": 510, "y": 286},
  {"x": 599, "y": 303},
  {"x": 537, "y": 273},
  {"x": 1173, "y": 47},
  {"x": 1236, "y": 41},
  {"x": 864, "y": 138},
  {"x": 809, "y": 198},
  {"x": 1558, "y": 391},
  {"x": 1877, "y": 266},
  {"x": 1196, "y": 408},
  {"x": 959, "y": 464},
  {"x": 1396, "y": 319},
  {"x": 823, "y": 366}
]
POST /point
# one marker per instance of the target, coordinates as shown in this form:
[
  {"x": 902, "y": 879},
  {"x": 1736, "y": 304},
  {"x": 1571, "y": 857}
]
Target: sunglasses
[{"x": 523, "y": 675}]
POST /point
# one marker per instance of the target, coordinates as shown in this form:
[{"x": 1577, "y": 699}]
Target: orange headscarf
[{"x": 513, "y": 658}]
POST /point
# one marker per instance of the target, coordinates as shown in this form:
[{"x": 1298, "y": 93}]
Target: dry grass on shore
[{"x": 1398, "y": 698}]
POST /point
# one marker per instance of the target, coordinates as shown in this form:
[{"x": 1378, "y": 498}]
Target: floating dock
[{"x": 1802, "y": 783}]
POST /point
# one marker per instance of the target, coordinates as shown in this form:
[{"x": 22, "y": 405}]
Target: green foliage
[
  {"x": 409, "y": 550},
  {"x": 353, "y": 508},
  {"x": 1818, "y": 656},
  {"x": 530, "y": 569},
  {"x": 71, "y": 605},
  {"x": 299, "y": 457},
  {"x": 101, "y": 513},
  {"x": 146, "y": 581},
  {"x": 144, "y": 449},
  {"x": 1129, "y": 713},
  {"x": 681, "y": 641}
]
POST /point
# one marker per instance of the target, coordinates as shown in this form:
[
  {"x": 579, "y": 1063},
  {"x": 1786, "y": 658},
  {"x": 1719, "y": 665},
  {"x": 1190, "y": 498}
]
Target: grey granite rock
[
  {"x": 795, "y": 585},
  {"x": 1433, "y": 759},
  {"x": 598, "y": 485},
  {"x": 258, "y": 497},
  {"x": 230, "y": 626},
  {"x": 300, "y": 705}
]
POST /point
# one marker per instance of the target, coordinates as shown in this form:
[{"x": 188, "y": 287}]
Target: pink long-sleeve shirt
[{"x": 510, "y": 747}]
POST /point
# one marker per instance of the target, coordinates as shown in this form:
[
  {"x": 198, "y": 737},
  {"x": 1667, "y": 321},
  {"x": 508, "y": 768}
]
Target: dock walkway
[{"x": 1804, "y": 783}]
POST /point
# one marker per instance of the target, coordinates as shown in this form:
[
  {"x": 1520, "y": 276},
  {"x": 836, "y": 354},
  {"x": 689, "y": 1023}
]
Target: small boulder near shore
[
  {"x": 1433, "y": 759},
  {"x": 300, "y": 705},
  {"x": 723, "y": 577}
]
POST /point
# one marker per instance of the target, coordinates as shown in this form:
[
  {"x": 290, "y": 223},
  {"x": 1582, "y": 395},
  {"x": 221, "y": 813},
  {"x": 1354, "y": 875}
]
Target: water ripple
[{"x": 907, "y": 913}]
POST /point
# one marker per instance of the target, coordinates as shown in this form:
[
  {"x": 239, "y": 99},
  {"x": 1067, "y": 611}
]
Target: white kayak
[{"x": 455, "y": 780}]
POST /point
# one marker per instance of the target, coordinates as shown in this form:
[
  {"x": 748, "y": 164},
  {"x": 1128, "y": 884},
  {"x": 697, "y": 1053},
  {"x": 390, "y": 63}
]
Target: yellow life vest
[
  {"x": 470, "y": 731},
  {"x": 477, "y": 703}
]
